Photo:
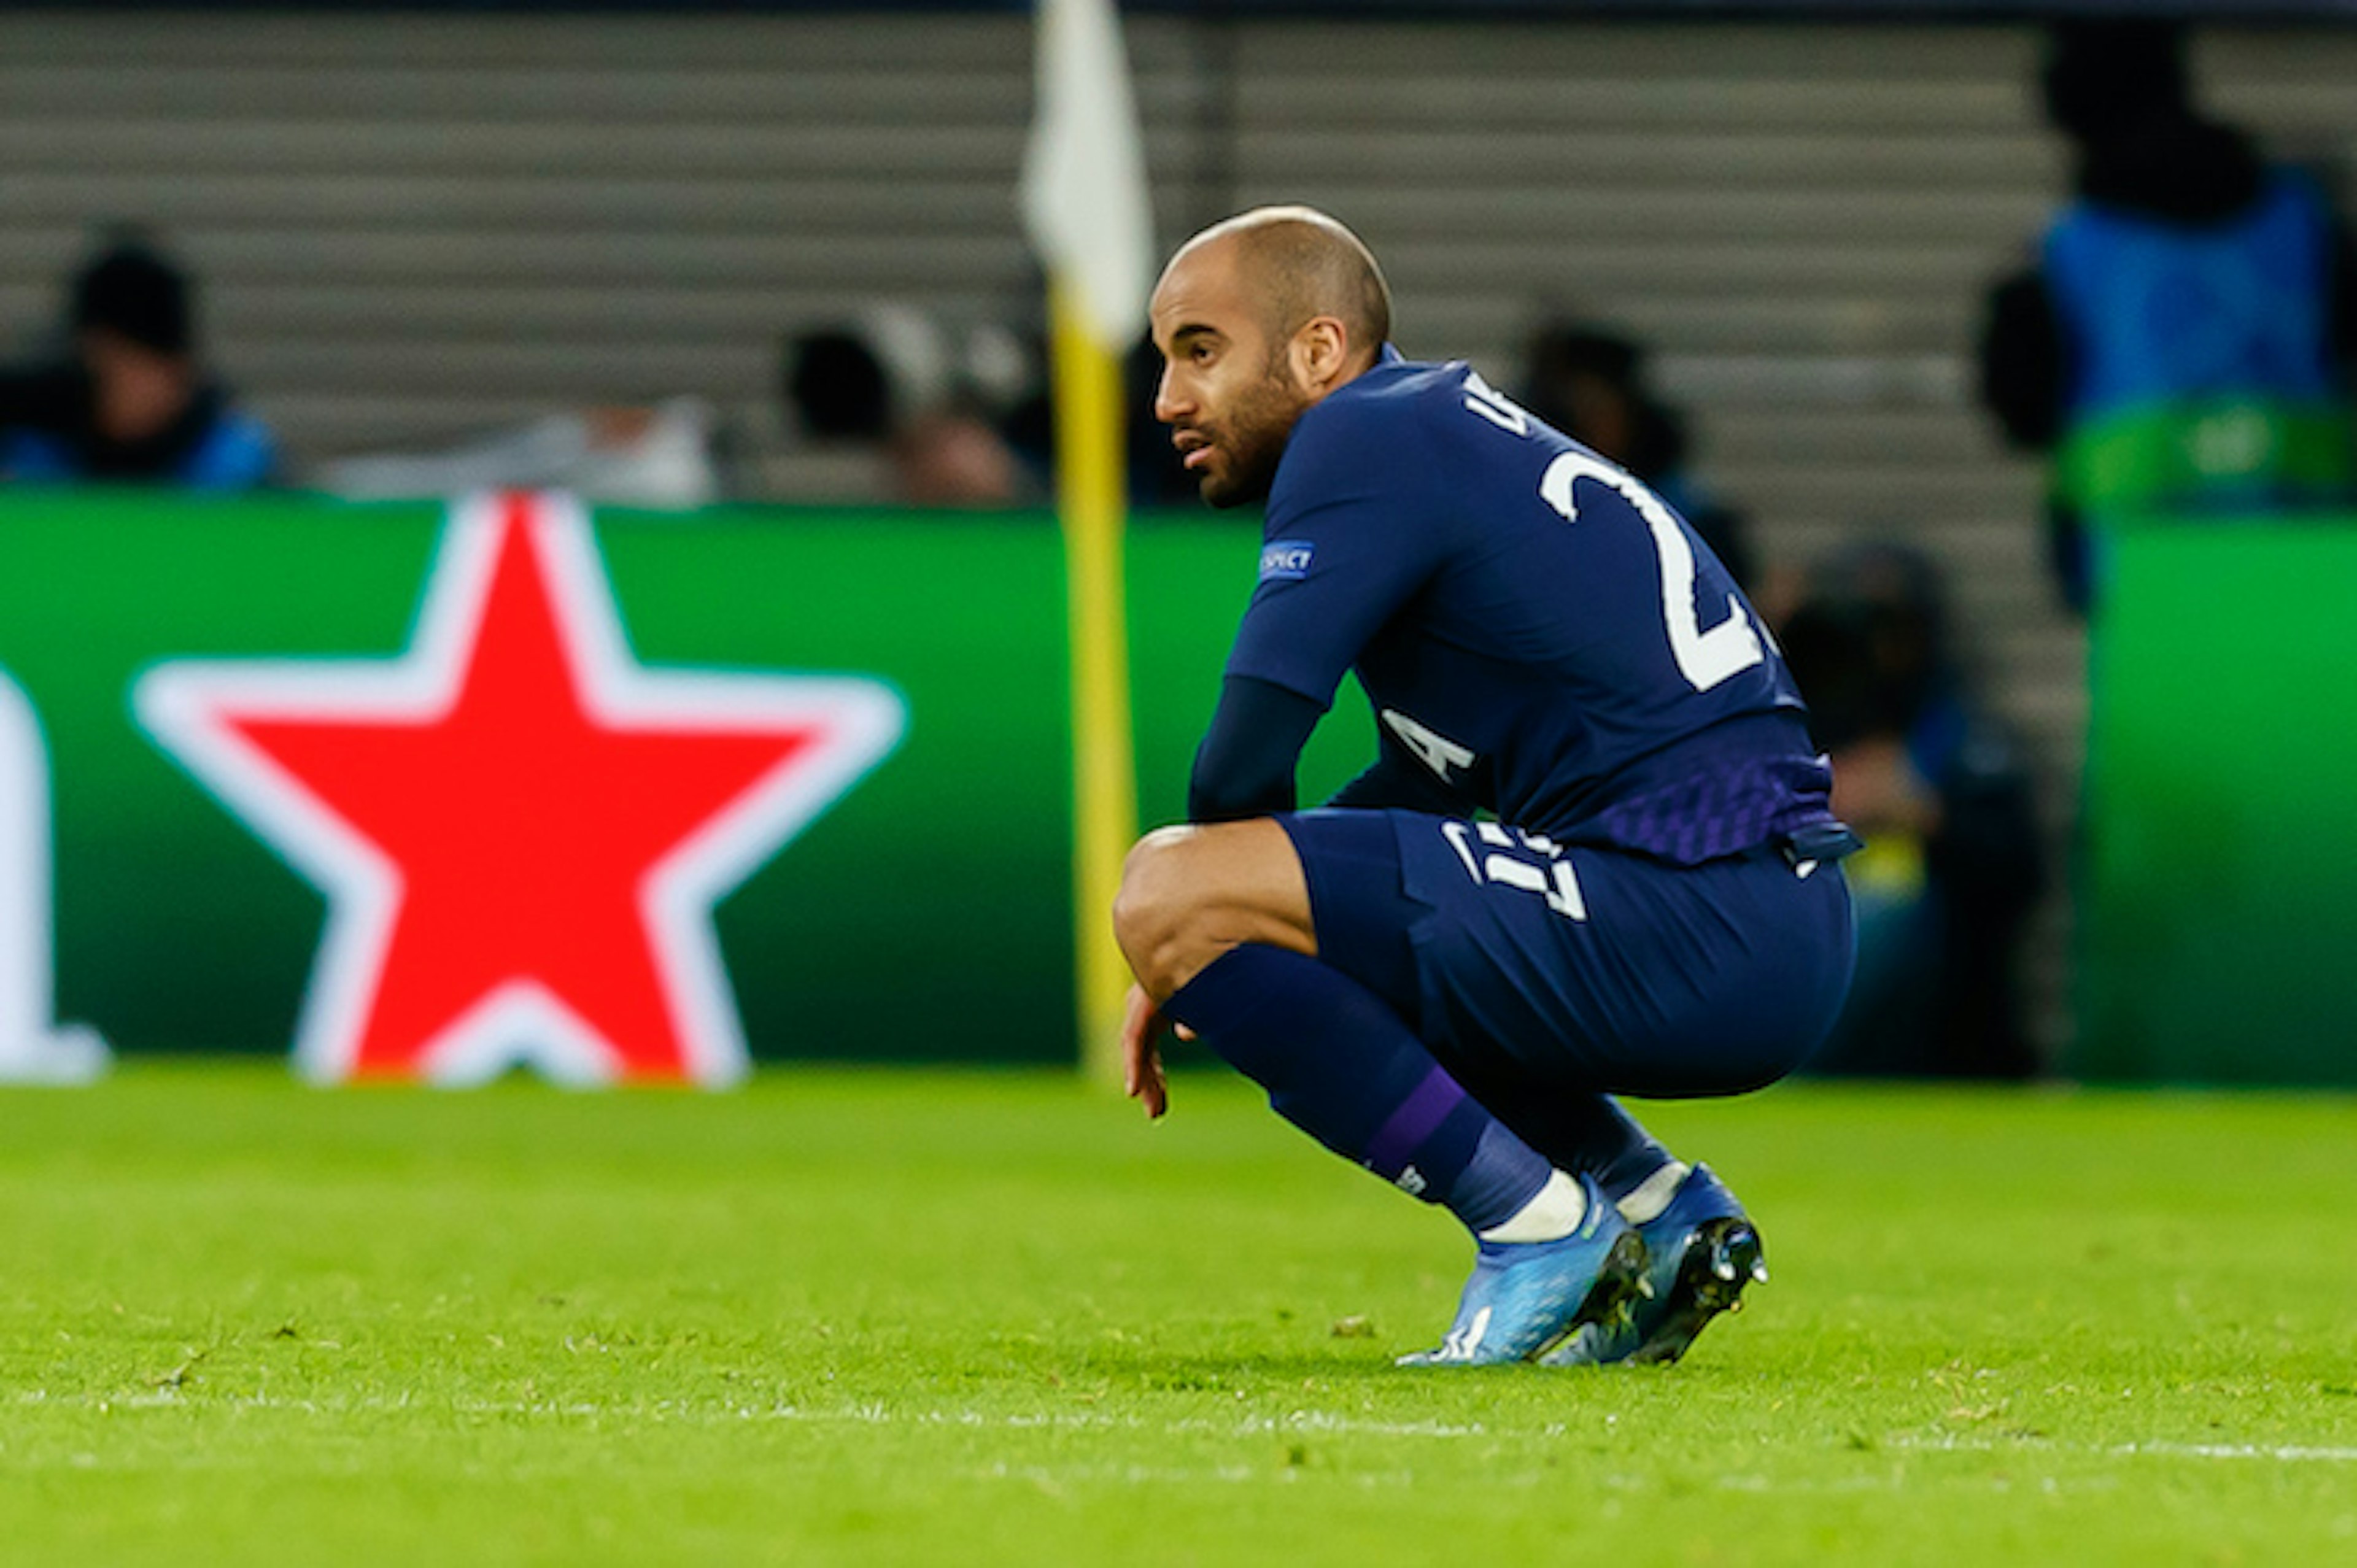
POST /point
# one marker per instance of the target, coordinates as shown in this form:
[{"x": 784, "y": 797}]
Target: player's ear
[{"x": 1321, "y": 348}]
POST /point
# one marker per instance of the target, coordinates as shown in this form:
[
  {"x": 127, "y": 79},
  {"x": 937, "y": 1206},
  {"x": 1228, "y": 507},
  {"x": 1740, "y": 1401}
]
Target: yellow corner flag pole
[
  {"x": 1089, "y": 483},
  {"x": 1085, "y": 207}
]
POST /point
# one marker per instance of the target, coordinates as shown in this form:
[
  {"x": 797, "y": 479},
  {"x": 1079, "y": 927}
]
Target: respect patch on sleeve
[{"x": 1286, "y": 560}]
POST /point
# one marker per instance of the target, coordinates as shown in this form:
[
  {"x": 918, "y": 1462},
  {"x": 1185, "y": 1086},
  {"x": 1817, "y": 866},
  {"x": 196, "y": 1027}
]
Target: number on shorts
[{"x": 1496, "y": 863}]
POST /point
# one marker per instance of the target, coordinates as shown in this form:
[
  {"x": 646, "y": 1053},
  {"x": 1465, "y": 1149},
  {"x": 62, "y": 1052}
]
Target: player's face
[{"x": 1228, "y": 391}]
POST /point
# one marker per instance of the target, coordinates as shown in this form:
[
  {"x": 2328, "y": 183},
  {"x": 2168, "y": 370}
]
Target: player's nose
[{"x": 1168, "y": 402}]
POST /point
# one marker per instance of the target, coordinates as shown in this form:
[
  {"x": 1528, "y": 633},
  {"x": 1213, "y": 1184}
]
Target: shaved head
[
  {"x": 1257, "y": 319},
  {"x": 1299, "y": 264}
]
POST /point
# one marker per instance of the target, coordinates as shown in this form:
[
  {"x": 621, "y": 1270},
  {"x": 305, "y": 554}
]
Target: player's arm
[
  {"x": 1245, "y": 767},
  {"x": 1353, "y": 533},
  {"x": 1343, "y": 554},
  {"x": 2024, "y": 361}
]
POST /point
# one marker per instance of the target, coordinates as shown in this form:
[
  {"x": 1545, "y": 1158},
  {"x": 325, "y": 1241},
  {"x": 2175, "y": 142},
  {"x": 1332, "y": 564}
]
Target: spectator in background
[
  {"x": 1590, "y": 384},
  {"x": 2184, "y": 344},
  {"x": 1953, "y": 863},
  {"x": 1153, "y": 473},
  {"x": 883, "y": 384},
  {"x": 131, "y": 400}
]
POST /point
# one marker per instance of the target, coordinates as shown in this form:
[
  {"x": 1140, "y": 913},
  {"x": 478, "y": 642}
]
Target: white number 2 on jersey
[{"x": 1705, "y": 657}]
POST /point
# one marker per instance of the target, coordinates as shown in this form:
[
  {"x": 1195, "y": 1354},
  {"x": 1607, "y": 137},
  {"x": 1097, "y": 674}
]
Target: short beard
[{"x": 1257, "y": 435}]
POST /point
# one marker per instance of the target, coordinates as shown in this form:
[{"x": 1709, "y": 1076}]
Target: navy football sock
[
  {"x": 1577, "y": 1130},
  {"x": 1591, "y": 1133},
  {"x": 1340, "y": 1065}
]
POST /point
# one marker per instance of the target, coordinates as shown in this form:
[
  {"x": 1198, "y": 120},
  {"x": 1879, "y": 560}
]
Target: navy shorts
[{"x": 1590, "y": 968}]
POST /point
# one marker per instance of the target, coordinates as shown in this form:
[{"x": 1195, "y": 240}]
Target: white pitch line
[
  {"x": 877, "y": 1413},
  {"x": 2283, "y": 1453},
  {"x": 2289, "y": 1452},
  {"x": 870, "y": 1413}
]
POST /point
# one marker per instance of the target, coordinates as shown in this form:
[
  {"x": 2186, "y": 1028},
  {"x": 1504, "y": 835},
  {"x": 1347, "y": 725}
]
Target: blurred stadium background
[{"x": 415, "y": 227}]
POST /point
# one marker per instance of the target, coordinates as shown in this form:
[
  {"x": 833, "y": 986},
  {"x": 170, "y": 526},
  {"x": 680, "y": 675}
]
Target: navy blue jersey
[{"x": 1535, "y": 627}]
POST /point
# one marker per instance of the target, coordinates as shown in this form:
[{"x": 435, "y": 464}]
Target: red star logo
[{"x": 520, "y": 829}]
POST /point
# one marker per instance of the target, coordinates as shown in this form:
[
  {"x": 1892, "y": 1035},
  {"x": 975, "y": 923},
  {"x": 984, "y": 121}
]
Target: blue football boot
[
  {"x": 1701, "y": 1251},
  {"x": 1526, "y": 1296}
]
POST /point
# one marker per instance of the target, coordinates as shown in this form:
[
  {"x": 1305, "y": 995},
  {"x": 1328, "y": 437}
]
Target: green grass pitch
[{"x": 882, "y": 1317}]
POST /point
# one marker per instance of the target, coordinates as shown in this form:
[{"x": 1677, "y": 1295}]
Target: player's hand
[{"x": 1141, "y": 1055}]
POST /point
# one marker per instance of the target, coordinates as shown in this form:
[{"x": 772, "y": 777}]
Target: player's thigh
[
  {"x": 1620, "y": 972},
  {"x": 1356, "y": 892},
  {"x": 1585, "y": 968}
]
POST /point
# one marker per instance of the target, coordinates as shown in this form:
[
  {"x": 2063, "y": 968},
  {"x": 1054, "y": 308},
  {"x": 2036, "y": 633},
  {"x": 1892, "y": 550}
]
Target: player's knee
[
  {"x": 1188, "y": 894},
  {"x": 1157, "y": 900}
]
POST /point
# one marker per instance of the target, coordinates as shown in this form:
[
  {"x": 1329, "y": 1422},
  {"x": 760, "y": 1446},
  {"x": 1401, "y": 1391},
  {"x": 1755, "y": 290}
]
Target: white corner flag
[
  {"x": 1085, "y": 205},
  {"x": 1086, "y": 209}
]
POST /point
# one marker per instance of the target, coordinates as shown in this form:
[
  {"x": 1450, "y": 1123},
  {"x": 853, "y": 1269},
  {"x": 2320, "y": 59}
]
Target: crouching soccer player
[{"x": 1592, "y": 857}]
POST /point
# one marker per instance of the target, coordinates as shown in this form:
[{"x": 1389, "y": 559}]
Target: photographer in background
[
  {"x": 890, "y": 386},
  {"x": 2184, "y": 344},
  {"x": 130, "y": 403},
  {"x": 1953, "y": 863}
]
